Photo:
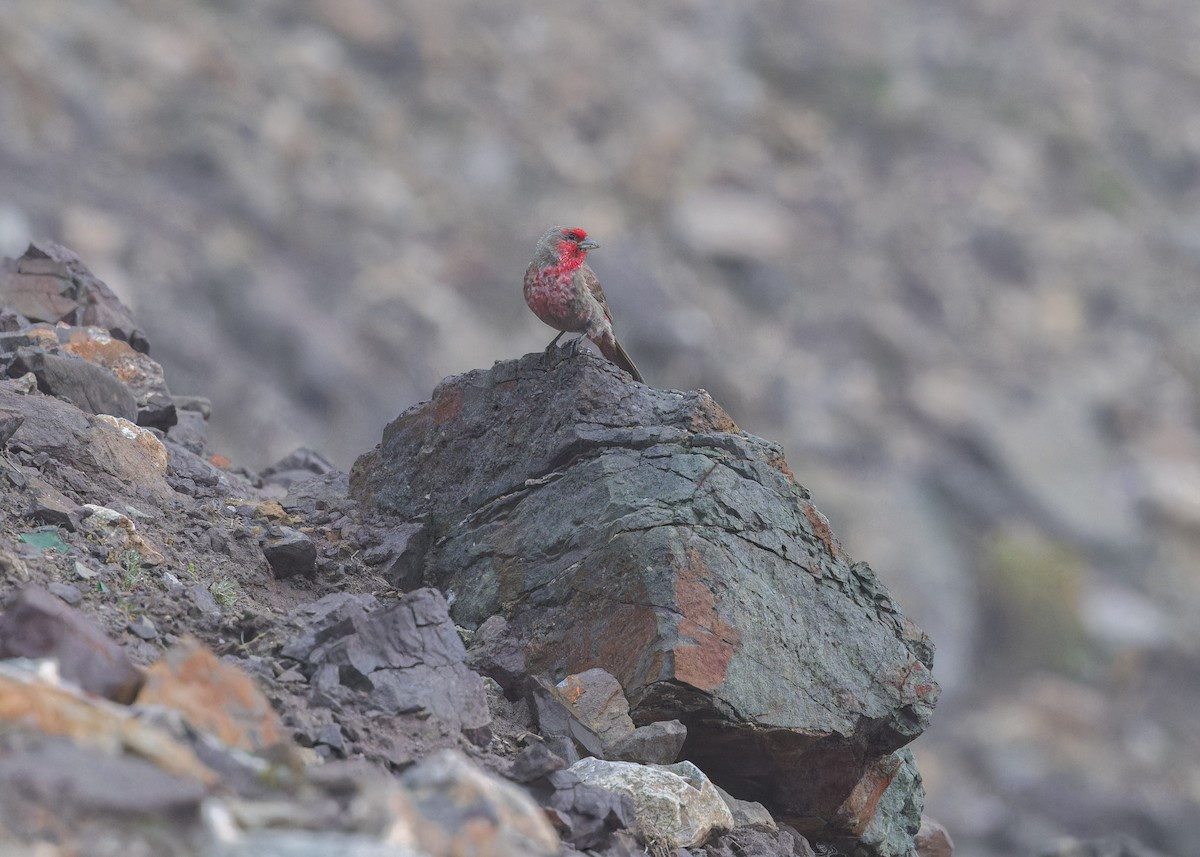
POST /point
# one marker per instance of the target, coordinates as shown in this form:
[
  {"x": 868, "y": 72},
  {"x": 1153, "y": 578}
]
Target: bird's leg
[
  {"x": 575, "y": 344},
  {"x": 554, "y": 341},
  {"x": 548, "y": 355}
]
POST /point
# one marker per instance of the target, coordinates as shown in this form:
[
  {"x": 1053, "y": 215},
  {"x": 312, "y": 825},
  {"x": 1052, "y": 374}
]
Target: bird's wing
[{"x": 593, "y": 285}]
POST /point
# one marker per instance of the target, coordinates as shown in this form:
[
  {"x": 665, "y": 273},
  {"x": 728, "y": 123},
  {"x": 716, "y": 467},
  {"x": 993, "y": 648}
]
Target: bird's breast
[{"x": 554, "y": 300}]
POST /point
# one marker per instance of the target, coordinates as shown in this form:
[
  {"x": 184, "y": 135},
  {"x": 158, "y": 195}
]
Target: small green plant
[
  {"x": 225, "y": 591},
  {"x": 131, "y": 561}
]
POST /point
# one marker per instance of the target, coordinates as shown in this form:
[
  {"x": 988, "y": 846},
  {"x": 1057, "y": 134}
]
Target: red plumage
[{"x": 565, "y": 293}]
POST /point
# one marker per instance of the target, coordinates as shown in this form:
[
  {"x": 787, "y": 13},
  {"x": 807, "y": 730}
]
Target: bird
[{"x": 564, "y": 292}]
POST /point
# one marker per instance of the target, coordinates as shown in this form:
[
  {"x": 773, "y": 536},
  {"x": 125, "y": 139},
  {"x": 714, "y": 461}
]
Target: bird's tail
[{"x": 617, "y": 355}]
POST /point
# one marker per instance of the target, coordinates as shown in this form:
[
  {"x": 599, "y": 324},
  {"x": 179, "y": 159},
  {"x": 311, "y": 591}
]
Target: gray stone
[
  {"x": 194, "y": 404},
  {"x": 564, "y": 735},
  {"x": 331, "y": 735},
  {"x": 933, "y": 839},
  {"x": 202, "y": 600},
  {"x": 143, "y": 628},
  {"x": 124, "y": 465},
  {"x": 590, "y": 815},
  {"x": 406, "y": 656},
  {"x": 496, "y": 653},
  {"x": 299, "y": 465},
  {"x": 654, "y": 744},
  {"x": 10, "y": 421},
  {"x": 190, "y": 431},
  {"x": 597, "y": 701},
  {"x": 401, "y": 555},
  {"x": 587, "y": 815},
  {"x": 35, "y": 624},
  {"x": 896, "y": 815},
  {"x": 459, "y": 804},
  {"x": 89, "y": 387},
  {"x": 534, "y": 762},
  {"x": 47, "y": 505},
  {"x": 68, "y": 593},
  {"x": 755, "y": 842},
  {"x": 80, "y": 780},
  {"x": 50, "y": 283},
  {"x": 290, "y": 552},
  {"x": 185, "y": 466},
  {"x": 747, "y": 813},
  {"x": 319, "y": 619},
  {"x": 674, "y": 806}
]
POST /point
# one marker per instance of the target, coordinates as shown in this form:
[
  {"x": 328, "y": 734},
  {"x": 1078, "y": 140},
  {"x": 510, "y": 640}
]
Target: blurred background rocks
[{"x": 945, "y": 253}]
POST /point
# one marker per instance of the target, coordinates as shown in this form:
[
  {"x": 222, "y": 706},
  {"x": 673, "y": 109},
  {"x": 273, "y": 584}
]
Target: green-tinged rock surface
[{"x": 640, "y": 531}]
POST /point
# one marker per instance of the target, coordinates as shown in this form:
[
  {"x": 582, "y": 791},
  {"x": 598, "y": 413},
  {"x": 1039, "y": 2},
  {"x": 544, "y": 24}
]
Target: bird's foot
[{"x": 574, "y": 345}]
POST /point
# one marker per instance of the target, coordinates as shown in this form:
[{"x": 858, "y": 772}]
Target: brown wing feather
[
  {"x": 593, "y": 285},
  {"x": 615, "y": 352}
]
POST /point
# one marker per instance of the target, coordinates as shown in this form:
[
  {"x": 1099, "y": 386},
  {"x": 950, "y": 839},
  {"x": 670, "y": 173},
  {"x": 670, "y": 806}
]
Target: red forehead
[{"x": 574, "y": 234}]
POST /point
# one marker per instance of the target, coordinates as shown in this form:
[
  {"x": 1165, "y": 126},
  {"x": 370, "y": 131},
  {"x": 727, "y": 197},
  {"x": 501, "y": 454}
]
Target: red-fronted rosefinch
[{"x": 564, "y": 292}]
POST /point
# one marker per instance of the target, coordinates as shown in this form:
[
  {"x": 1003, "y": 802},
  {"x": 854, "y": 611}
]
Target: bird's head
[{"x": 563, "y": 244}]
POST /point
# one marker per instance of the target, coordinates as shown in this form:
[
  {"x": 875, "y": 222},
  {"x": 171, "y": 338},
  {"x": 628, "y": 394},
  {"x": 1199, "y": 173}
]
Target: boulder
[
  {"x": 586, "y": 815},
  {"x": 933, "y": 839},
  {"x": 141, "y": 375},
  {"x": 496, "y": 654},
  {"x": 675, "y": 806},
  {"x": 50, "y": 283},
  {"x": 596, "y": 700},
  {"x": 89, "y": 387},
  {"x": 35, "y": 624},
  {"x": 883, "y": 813},
  {"x": 639, "y": 530},
  {"x": 81, "y": 781},
  {"x": 747, "y": 813},
  {"x": 404, "y": 655},
  {"x": 117, "y": 454},
  {"x": 465, "y": 810}
]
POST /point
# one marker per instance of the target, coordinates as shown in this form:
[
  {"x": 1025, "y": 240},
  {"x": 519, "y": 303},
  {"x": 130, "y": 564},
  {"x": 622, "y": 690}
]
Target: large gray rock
[
  {"x": 639, "y": 530},
  {"x": 79, "y": 780},
  {"x": 890, "y": 797},
  {"x": 89, "y": 387},
  {"x": 117, "y": 456},
  {"x": 35, "y": 624},
  {"x": 674, "y": 806},
  {"x": 597, "y": 701},
  {"x": 404, "y": 655},
  {"x": 465, "y": 810}
]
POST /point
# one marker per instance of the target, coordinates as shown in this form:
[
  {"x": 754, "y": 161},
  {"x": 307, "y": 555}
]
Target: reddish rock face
[
  {"x": 49, "y": 283},
  {"x": 639, "y": 531},
  {"x": 214, "y": 696}
]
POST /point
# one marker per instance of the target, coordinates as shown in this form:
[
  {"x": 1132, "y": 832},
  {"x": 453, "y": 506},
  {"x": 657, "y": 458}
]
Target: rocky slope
[
  {"x": 943, "y": 253},
  {"x": 552, "y": 612}
]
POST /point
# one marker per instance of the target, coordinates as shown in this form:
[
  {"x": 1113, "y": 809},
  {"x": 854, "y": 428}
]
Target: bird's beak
[{"x": 588, "y": 244}]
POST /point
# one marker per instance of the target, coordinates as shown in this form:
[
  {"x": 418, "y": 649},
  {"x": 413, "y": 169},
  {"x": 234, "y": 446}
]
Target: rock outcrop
[{"x": 638, "y": 530}]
